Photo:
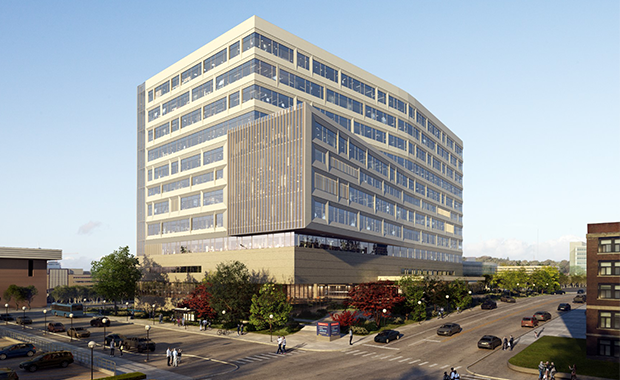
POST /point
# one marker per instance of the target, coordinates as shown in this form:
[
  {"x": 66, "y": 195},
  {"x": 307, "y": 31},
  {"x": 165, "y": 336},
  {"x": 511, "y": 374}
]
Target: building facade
[
  {"x": 578, "y": 258},
  {"x": 603, "y": 303},
  {"x": 529, "y": 269},
  {"x": 471, "y": 267},
  {"x": 24, "y": 267},
  {"x": 263, "y": 148}
]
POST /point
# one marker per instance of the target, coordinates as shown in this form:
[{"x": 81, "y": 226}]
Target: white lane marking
[
  {"x": 384, "y": 357},
  {"x": 398, "y": 357},
  {"x": 422, "y": 363},
  {"x": 455, "y": 368},
  {"x": 404, "y": 360},
  {"x": 382, "y": 347},
  {"x": 350, "y": 352},
  {"x": 417, "y": 360},
  {"x": 432, "y": 340},
  {"x": 360, "y": 353},
  {"x": 432, "y": 365},
  {"x": 252, "y": 359},
  {"x": 372, "y": 353}
]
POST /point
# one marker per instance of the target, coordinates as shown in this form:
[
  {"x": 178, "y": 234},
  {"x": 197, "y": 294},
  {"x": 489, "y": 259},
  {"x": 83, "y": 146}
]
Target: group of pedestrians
[
  {"x": 179, "y": 322},
  {"x": 546, "y": 371},
  {"x": 508, "y": 343},
  {"x": 240, "y": 329},
  {"x": 173, "y": 357},
  {"x": 281, "y": 345},
  {"x": 452, "y": 376},
  {"x": 113, "y": 344},
  {"x": 204, "y": 325}
]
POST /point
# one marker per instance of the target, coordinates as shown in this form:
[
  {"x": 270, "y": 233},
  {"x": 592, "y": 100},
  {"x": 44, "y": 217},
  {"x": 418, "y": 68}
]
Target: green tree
[
  {"x": 270, "y": 307},
  {"x": 459, "y": 294},
  {"x": 511, "y": 280},
  {"x": 15, "y": 293},
  {"x": 30, "y": 292},
  {"x": 116, "y": 275},
  {"x": 231, "y": 288},
  {"x": 546, "y": 278},
  {"x": 412, "y": 289}
]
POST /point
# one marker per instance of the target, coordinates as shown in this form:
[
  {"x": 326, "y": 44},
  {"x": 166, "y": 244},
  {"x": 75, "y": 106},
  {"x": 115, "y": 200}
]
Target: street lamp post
[
  {"x": 45, "y": 323},
  {"x": 270, "y": 323},
  {"x": 24, "y": 320},
  {"x": 127, "y": 304},
  {"x": 384, "y": 311},
  {"x": 448, "y": 300},
  {"x": 71, "y": 331},
  {"x": 91, "y": 345},
  {"x": 103, "y": 307},
  {"x": 6, "y": 310},
  {"x": 105, "y": 322},
  {"x": 147, "y": 328},
  {"x": 153, "y": 311}
]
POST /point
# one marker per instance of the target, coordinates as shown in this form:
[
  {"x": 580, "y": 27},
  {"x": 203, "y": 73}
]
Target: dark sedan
[
  {"x": 55, "y": 327},
  {"x": 489, "y": 304},
  {"x": 542, "y": 315},
  {"x": 564, "y": 307},
  {"x": 78, "y": 332},
  {"x": 489, "y": 341},
  {"x": 117, "y": 338},
  {"x": 23, "y": 320},
  {"x": 559, "y": 292},
  {"x": 20, "y": 349},
  {"x": 98, "y": 322},
  {"x": 449, "y": 329},
  {"x": 387, "y": 336},
  {"x": 6, "y": 317},
  {"x": 508, "y": 299}
]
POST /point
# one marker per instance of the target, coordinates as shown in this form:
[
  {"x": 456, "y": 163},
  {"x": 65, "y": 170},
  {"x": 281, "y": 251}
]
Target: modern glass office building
[{"x": 263, "y": 148}]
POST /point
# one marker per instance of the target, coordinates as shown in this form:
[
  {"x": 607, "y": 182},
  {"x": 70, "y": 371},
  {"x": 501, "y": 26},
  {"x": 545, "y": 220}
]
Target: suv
[
  {"x": 6, "y": 317},
  {"x": 19, "y": 349},
  {"x": 489, "y": 304},
  {"x": 563, "y": 307},
  {"x": 508, "y": 299},
  {"x": 23, "y": 320},
  {"x": 542, "y": 315},
  {"x": 139, "y": 344},
  {"x": 78, "y": 332},
  {"x": 98, "y": 322},
  {"x": 580, "y": 291},
  {"x": 56, "y": 327},
  {"x": 8, "y": 374},
  {"x": 580, "y": 298},
  {"x": 51, "y": 359}
]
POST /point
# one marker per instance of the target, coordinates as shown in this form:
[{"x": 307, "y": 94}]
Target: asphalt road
[{"x": 419, "y": 354}]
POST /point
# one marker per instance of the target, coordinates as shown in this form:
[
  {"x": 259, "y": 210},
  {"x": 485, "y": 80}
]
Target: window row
[
  {"x": 183, "y": 225},
  {"x": 188, "y": 163}
]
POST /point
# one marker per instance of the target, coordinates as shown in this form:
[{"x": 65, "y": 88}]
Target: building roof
[{"x": 30, "y": 253}]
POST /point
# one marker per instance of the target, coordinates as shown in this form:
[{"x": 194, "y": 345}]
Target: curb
[{"x": 558, "y": 375}]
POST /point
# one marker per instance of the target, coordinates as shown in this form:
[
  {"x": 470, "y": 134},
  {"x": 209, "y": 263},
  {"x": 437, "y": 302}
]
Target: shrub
[
  {"x": 346, "y": 318},
  {"x": 322, "y": 312},
  {"x": 359, "y": 330},
  {"x": 371, "y": 326},
  {"x": 398, "y": 321},
  {"x": 127, "y": 376}
]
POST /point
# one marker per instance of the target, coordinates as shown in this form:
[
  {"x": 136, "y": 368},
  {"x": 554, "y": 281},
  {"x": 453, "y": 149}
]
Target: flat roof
[{"x": 30, "y": 253}]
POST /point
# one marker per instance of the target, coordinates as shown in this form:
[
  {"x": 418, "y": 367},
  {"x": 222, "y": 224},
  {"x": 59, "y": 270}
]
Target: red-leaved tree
[
  {"x": 346, "y": 318},
  {"x": 372, "y": 297},
  {"x": 199, "y": 300}
]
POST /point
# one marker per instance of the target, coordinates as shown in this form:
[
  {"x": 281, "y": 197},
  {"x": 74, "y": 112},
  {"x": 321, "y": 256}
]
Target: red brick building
[
  {"x": 24, "y": 267},
  {"x": 603, "y": 302}
]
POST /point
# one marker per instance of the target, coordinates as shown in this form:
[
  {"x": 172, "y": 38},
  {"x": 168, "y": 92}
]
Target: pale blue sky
[{"x": 532, "y": 88}]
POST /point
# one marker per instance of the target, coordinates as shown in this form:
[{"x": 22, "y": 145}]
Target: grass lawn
[{"x": 565, "y": 352}]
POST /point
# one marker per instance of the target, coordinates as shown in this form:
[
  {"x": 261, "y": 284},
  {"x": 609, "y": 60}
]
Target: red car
[{"x": 529, "y": 322}]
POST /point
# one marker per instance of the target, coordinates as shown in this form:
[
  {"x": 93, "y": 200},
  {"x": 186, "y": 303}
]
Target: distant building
[
  {"x": 529, "y": 269},
  {"x": 603, "y": 304},
  {"x": 53, "y": 265},
  {"x": 471, "y": 267},
  {"x": 578, "y": 258},
  {"x": 68, "y": 277},
  {"x": 25, "y": 267}
]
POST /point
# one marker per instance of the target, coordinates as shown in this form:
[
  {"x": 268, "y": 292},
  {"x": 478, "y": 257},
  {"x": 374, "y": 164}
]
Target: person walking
[
  {"x": 505, "y": 345},
  {"x": 242, "y": 329},
  {"x": 169, "y": 356},
  {"x": 179, "y": 352},
  {"x": 112, "y": 347},
  {"x": 238, "y": 329},
  {"x": 161, "y": 318},
  {"x": 552, "y": 371},
  {"x": 183, "y": 323},
  {"x": 573, "y": 372},
  {"x": 446, "y": 376},
  {"x": 541, "y": 370},
  {"x": 284, "y": 345},
  {"x": 120, "y": 348},
  {"x": 350, "y": 335},
  {"x": 456, "y": 375},
  {"x": 511, "y": 342},
  {"x": 175, "y": 357},
  {"x": 279, "y": 351}
]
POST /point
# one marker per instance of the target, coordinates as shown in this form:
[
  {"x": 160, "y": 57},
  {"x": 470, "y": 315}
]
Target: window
[
  {"x": 261, "y": 42},
  {"x": 380, "y": 116},
  {"x": 254, "y": 66},
  {"x": 607, "y": 244},
  {"x": 341, "y": 216},
  {"x": 358, "y": 86},
  {"x": 202, "y": 90},
  {"x": 206, "y": 177},
  {"x": 214, "y": 108},
  {"x": 370, "y": 224},
  {"x": 219, "y": 220},
  {"x": 303, "y": 61},
  {"x": 191, "y": 73},
  {"x": 325, "y": 71},
  {"x": 190, "y": 202},
  {"x": 176, "y": 226},
  {"x": 323, "y": 134},
  {"x": 344, "y": 101},
  {"x": 191, "y": 118},
  {"x": 160, "y": 208},
  {"x": 234, "y": 50},
  {"x": 318, "y": 210},
  {"x": 153, "y": 229},
  {"x": 381, "y": 96},
  {"x": 154, "y": 114},
  {"x": 609, "y": 347},
  {"x": 213, "y": 197},
  {"x": 176, "y": 185},
  {"x": 30, "y": 268},
  {"x": 361, "y": 197},
  {"x": 357, "y": 153},
  {"x": 202, "y": 222},
  {"x": 161, "y": 171},
  {"x": 608, "y": 320},
  {"x": 369, "y": 132},
  {"x": 397, "y": 104},
  {"x": 609, "y": 268},
  {"x": 175, "y": 103},
  {"x": 319, "y": 155},
  {"x": 162, "y": 89},
  {"x": 266, "y": 95},
  {"x": 346, "y": 123},
  {"x": 213, "y": 155},
  {"x": 174, "y": 167},
  {"x": 215, "y": 60},
  {"x": 301, "y": 84},
  {"x": 608, "y": 291},
  {"x": 190, "y": 162},
  {"x": 175, "y": 82},
  {"x": 233, "y": 100}
]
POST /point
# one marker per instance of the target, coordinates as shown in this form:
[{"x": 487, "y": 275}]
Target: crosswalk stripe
[
  {"x": 398, "y": 357},
  {"x": 432, "y": 365},
  {"x": 372, "y": 353},
  {"x": 360, "y": 353},
  {"x": 417, "y": 360},
  {"x": 404, "y": 360},
  {"x": 350, "y": 352},
  {"x": 422, "y": 363},
  {"x": 446, "y": 366}
]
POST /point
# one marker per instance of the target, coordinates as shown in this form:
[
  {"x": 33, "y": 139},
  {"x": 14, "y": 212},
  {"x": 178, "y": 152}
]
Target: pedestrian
[
  {"x": 573, "y": 372},
  {"x": 242, "y": 329},
  {"x": 505, "y": 345},
  {"x": 451, "y": 373},
  {"x": 350, "y": 335},
  {"x": 120, "y": 348},
  {"x": 238, "y": 329},
  {"x": 183, "y": 323},
  {"x": 175, "y": 357},
  {"x": 511, "y": 342},
  {"x": 541, "y": 370},
  {"x": 204, "y": 324},
  {"x": 279, "y": 351},
  {"x": 112, "y": 347},
  {"x": 446, "y": 376},
  {"x": 179, "y": 352},
  {"x": 284, "y": 345},
  {"x": 536, "y": 334},
  {"x": 161, "y": 318},
  {"x": 552, "y": 371},
  {"x": 456, "y": 375},
  {"x": 546, "y": 377},
  {"x": 169, "y": 356}
]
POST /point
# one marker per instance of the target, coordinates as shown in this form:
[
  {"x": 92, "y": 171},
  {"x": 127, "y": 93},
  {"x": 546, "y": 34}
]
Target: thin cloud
[{"x": 88, "y": 228}]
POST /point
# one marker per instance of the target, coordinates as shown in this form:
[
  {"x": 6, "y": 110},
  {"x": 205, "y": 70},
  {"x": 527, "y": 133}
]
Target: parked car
[
  {"x": 489, "y": 341},
  {"x": 98, "y": 322},
  {"x": 8, "y": 374},
  {"x": 138, "y": 344},
  {"x": 449, "y": 329},
  {"x": 564, "y": 307},
  {"x": 581, "y": 291},
  {"x": 78, "y": 332},
  {"x": 529, "y": 322},
  {"x": 507, "y": 299},
  {"x": 489, "y": 304},
  {"x": 542, "y": 315},
  {"x": 6, "y": 317},
  {"x": 386, "y": 336},
  {"x": 117, "y": 338},
  {"x": 19, "y": 349},
  {"x": 56, "y": 327},
  {"x": 23, "y": 320},
  {"x": 559, "y": 292},
  {"x": 580, "y": 298},
  {"x": 51, "y": 359}
]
